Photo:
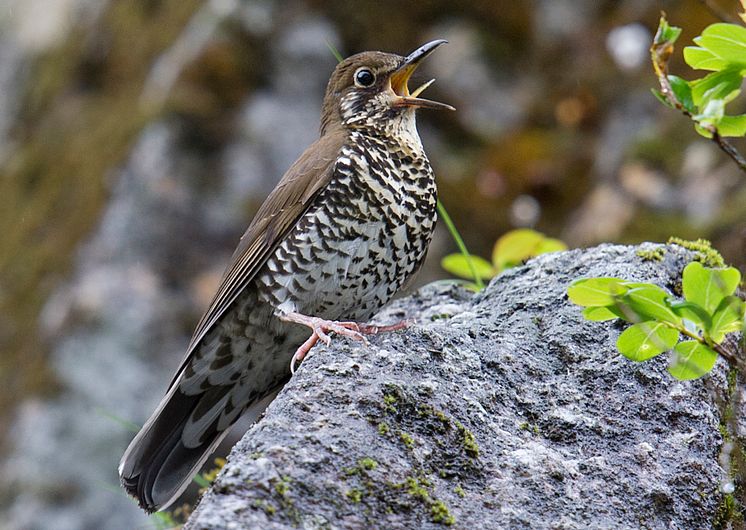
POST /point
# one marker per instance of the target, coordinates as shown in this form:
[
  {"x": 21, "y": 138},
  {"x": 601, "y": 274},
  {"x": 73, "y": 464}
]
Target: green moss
[
  {"x": 407, "y": 439},
  {"x": 383, "y": 428},
  {"x": 282, "y": 487},
  {"x": 704, "y": 252},
  {"x": 526, "y": 426},
  {"x": 417, "y": 488},
  {"x": 458, "y": 490},
  {"x": 268, "y": 508},
  {"x": 730, "y": 508},
  {"x": 354, "y": 495},
  {"x": 428, "y": 411},
  {"x": 655, "y": 254},
  {"x": 389, "y": 401},
  {"x": 468, "y": 441},
  {"x": 364, "y": 464},
  {"x": 724, "y": 432},
  {"x": 439, "y": 513},
  {"x": 729, "y": 511}
]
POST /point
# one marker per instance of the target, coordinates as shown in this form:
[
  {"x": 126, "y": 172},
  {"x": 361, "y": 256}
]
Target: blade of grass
[
  {"x": 460, "y": 244},
  {"x": 335, "y": 52},
  {"x": 130, "y": 426}
]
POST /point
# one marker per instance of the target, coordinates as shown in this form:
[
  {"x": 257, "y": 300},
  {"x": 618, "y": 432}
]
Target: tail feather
[
  {"x": 157, "y": 466},
  {"x": 230, "y": 371}
]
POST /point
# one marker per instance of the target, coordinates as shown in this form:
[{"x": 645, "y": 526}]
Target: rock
[{"x": 504, "y": 409}]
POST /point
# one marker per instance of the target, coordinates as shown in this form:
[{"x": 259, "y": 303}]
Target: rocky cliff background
[{"x": 137, "y": 139}]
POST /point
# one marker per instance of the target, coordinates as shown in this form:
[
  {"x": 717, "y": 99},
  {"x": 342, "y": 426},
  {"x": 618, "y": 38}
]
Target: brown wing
[{"x": 276, "y": 217}]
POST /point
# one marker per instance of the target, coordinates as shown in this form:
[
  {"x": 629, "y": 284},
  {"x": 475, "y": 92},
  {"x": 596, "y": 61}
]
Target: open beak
[{"x": 402, "y": 74}]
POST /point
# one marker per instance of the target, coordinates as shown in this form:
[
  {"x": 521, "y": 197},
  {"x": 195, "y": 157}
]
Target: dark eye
[{"x": 364, "y": 77}]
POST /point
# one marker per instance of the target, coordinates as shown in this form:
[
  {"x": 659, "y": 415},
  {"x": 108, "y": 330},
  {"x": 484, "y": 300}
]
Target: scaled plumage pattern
[{"x": 346, "y": 227}]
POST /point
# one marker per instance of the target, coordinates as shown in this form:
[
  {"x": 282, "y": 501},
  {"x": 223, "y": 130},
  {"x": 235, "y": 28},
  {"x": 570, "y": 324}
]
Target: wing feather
[{"x": 276, "y": 217}]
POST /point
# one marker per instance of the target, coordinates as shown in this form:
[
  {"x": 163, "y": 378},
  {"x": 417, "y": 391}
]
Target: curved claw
[{"x": 319, "y": 331}]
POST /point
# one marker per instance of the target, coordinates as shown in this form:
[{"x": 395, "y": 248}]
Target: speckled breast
[{"x": 365, "y": 235}]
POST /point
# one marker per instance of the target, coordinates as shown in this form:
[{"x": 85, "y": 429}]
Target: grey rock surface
[{"x": 499, "y": 410}]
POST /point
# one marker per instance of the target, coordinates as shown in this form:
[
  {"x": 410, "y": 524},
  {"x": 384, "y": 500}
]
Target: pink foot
[{"x": 320, "y": 329}]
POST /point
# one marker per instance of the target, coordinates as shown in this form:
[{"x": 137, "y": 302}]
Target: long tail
[
  {"x": 161, "y": 461},
  {"x": 234, "y": 369}
]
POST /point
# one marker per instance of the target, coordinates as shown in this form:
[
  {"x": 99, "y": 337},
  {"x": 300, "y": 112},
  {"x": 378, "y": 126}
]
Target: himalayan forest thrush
[{"x": 343, "y": 231}]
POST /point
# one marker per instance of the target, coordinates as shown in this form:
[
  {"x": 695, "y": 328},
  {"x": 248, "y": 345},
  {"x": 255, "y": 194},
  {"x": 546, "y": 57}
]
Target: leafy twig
[{"x": 660, "y": 53}]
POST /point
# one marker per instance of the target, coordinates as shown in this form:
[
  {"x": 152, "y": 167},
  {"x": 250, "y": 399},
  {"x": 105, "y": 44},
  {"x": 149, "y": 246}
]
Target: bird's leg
[{"x": 320, "y": 329}]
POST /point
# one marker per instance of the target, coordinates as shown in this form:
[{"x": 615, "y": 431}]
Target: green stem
[
  {"x": 460, "y": 243},
  {"x": 718, "y": 348},
  {"x": 335, "y": 52}
]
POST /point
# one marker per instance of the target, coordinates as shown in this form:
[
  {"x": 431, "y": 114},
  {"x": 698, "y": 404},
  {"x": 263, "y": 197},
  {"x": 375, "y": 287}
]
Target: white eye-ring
[{"x": 364, "y": 77}]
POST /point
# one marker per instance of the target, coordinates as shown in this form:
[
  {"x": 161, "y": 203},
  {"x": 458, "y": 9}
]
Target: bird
[{"x": 347, "y": 226}]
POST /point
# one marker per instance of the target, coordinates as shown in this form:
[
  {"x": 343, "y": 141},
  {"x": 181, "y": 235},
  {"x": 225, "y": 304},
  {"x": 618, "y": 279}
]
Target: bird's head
[{"x": 369, "y": 90}]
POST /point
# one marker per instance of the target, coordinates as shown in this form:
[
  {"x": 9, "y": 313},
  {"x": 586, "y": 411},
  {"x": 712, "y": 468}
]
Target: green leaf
[
  {"x": 707, "y": 287},
  {"x": 728, "y": 317},
  {"x": 712, "y": 113},
  {"x": 727, "y": 41},
  {"x": 515, "y": 247},
  {"x": 683, "y": 91},
  {"x": 645, "y": 340},
  {"x": 660, "y": 97},
  {"x": 692, "y": 360},
  {"x": 692, "y": 312},
  {"x": 666, "y": 33},
  {"x": 600, "y": 314},
  {"x": 651, "y": 303},
  {"x": 201, "y": 481},
  {"x": 595, "y": 292},
  {"x": 724, "y": 85},
  {"x": 458, "y": 265},
  {"x": 732, "y": 125},
  {"x": 702, "y": 131},
  {"x": 702, "y": 59},
  {"x": 549, "y": 244}
]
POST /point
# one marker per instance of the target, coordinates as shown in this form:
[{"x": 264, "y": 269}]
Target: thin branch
[
  {"x": 660, "y": 53},
  {"x": 723, "y": 352},
  {"x": 727, "y": 355}
]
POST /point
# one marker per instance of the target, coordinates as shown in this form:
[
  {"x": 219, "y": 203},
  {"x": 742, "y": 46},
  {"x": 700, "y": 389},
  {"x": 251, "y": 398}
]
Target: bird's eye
[{"x": 364, "y": 77}]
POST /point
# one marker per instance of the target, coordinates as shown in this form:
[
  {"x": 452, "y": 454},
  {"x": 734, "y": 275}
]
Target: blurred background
[{"x": 137, "y": 139}]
